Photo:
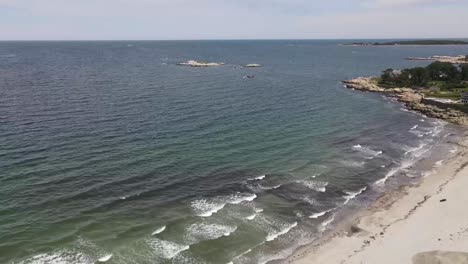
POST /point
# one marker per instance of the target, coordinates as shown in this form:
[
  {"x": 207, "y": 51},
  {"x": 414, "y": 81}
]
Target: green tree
[
  {"x": 404, "y": 79},
  {"x": 387, "y": 76},
  {"x": 464, "y": 72},
  {"x": 418, "y": 76},
  {"x": 443, "y": 71}
]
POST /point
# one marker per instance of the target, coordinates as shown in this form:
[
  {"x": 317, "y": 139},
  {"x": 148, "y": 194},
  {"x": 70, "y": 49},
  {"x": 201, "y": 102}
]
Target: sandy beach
[{"x": 418, "y": 224}]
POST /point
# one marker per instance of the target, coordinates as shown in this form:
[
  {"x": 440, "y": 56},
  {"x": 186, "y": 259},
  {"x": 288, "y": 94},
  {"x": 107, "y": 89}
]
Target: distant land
[{"x": 409, "y": 42}]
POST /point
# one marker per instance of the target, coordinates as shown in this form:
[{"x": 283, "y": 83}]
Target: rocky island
[
  {"x": 253, "y": 65},
  {"x": 434, "y": 91},
  {"x": 460, "y": 59},
  {"x": 194, "y": 63}
]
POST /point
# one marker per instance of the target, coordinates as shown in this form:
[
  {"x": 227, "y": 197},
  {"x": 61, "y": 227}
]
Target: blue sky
[{"x": 231, "y": 19}]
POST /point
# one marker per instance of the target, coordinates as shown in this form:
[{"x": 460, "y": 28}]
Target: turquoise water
[{"x": 109, "y": 149}]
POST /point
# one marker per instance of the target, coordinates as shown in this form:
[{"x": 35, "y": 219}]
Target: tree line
[{"x": 452, "y": 75}]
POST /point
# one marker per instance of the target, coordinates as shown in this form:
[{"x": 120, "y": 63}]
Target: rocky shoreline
[
  {"x": 412, "y": 99},
  {"x": 460, "y": 59}
]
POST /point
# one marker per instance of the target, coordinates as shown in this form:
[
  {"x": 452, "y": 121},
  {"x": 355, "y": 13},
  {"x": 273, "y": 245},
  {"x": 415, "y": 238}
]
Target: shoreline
[
  {"x": 408, "y": 224},
  {"x": 412, "y": 99},
  {"x": 400, "y": 224}
]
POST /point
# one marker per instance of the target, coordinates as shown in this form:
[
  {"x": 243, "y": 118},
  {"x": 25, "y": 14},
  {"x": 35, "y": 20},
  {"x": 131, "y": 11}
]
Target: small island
[
  {"x": 253, "y": 65},
  {"x": 194, "y": 63},
  {"x": 460, "y": 59},
  {"x": 439, "y": 90},
  {"x": 409, "y": 42}
]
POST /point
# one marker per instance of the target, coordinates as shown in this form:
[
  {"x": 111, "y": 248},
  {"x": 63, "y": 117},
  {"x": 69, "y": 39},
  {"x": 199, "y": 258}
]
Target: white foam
[
  {"x": 388, "y": 175},
  {"x": 357, "y": 146},
  {"x": 245, "y": 252},
  {"x": 273, "y": 236},
  {"x": 200, "y": 232},
  {"x": 258, "y": 210},
  {"x": 328, "y": 221},
  {"x": 414, "y": 127},
  {"x": 310, "y": 201},
  {"x": 270, "y": 187},
  {"x": 251, "y": 217},
  {"x": 241, "y": 197},
  {"x": 59, "y": 257},
  {"x": 453, "y": 150},
  {"x": 206, "y": 208},
  {"x": 317, "y": 215},
  {"x": 105, "y": 258},
  {"x": 439, "y": 163},
  {"x": 352, "y": 195},
  {"x": 166, "y": 249},
  {"x": 350, "y": 163},
  {"x": 417, "y": 151},
  {"x": 159, "y": 230},
  {"x": 259, "y": 178},
  {"x": 314, "y": 185},
  {"x": 367, "y": 150}
]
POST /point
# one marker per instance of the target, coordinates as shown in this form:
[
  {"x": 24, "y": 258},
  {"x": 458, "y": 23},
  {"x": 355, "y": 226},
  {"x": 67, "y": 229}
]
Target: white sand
[{"x": 400, "y": 225}]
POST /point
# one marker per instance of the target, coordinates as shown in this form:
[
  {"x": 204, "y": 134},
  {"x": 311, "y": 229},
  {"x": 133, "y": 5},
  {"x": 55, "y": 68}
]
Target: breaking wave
[
  {"x": 318, "y": 186},
  {"x": 273, "y": 236},
  {"x": 159, "y": 230},
  {"x": 200, "y": 232},
  {"x": 351, "y": 195},
  {"x": 59, "y": 257},
  {"x": 166, "y": 249}
]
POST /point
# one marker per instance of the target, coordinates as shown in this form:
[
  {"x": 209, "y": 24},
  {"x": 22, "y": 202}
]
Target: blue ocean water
[{"x": 110, "y": 150}]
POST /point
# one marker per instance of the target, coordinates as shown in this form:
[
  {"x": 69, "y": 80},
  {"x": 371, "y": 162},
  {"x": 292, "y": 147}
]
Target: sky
[{"x": 231, "y": 19}]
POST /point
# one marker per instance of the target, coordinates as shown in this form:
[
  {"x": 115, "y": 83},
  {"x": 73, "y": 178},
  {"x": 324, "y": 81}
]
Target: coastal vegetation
[
  {"x": 437, "y": 90},
  {"x": 438, "y": 79}
]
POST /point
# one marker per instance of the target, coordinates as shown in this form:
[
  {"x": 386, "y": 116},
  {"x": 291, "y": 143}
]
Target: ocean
[{"x": 111, "y": 152}]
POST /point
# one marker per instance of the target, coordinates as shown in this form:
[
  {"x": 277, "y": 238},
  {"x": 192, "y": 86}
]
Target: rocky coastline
[
  {"x": 460, "y": 59},
  {"x": 413, "y": 100}
]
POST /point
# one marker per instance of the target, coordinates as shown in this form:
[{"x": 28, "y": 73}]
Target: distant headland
[
  {"x": 409, "y": 42},
  {"x": 439, "y": 90}
]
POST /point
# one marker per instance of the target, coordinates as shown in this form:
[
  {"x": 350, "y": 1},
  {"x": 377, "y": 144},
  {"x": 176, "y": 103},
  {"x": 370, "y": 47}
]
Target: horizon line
[{"x": 230, "y": 39}]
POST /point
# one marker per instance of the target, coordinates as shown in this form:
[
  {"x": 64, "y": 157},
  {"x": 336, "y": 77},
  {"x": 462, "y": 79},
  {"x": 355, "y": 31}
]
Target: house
[{"x": 464, "y": 97}]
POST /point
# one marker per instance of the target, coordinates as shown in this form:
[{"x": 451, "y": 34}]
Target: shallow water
[{"x": 113, "y": 152}]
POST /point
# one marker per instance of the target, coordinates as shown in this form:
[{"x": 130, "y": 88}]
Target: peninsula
[
  {"x": 409, "y": 42},
  {"x": 438, "y": 90}
]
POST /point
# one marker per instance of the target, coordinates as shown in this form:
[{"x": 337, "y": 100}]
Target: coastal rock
[
  {"x": 363, "y": 84},
  {"x": 411, "y": 98},
  {"x": 253, "y": 65},
  {"x": 194, "y": 63},
  {"x": 460, "y": 59}
]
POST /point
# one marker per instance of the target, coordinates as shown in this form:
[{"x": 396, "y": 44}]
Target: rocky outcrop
[
  {"x": 460, "y": 59},
  {"x": 411, "y": 98},
  {"x": 253, "y": 65},
  {"x": 193, "y": 63}
]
